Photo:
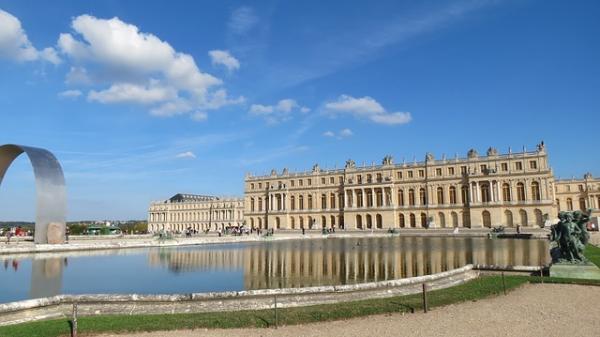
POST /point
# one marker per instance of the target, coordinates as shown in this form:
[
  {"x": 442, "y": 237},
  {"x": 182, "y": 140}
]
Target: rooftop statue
[
  {"x": 570, "y": 235},
  {"x": 350, "y": 164},
  {"x": 472, "y": 154},
  {"x": 429, "y": 157},
  {"x": 316, "y": 168},
  {"x": 387, "y": 160},
  {"x": 492, "y": 151}
]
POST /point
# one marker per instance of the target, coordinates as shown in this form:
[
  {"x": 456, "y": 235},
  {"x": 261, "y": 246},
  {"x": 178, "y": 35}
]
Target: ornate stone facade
[
  {"x": 478, "y": 191},
  {"x": 199, "y": 212},
  {"x": 578, "y": 194}
]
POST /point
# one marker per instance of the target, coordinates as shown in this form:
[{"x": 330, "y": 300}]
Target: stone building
[
  {"x": 199, "y": 212},
  {"x": 477, "y": 191},
  {"x": 578, "y": 194}
]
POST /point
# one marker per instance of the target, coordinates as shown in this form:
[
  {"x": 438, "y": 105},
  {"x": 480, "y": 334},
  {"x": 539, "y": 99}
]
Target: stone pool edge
[
  {"x": 125, "y": 244},
  {"x": 60, "y": 306}
]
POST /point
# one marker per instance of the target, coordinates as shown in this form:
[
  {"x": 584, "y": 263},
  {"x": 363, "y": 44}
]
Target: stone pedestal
[
  {"x": 56, "y": 233},
  {"x": 582, "y": 271}
]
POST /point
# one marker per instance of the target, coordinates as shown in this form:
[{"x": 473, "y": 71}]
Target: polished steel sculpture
[{"x": 50, "y": 190}]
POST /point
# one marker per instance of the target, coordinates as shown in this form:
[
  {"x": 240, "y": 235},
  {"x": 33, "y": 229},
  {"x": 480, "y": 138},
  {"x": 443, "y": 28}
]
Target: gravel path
[{"x": 532, "y": 310}]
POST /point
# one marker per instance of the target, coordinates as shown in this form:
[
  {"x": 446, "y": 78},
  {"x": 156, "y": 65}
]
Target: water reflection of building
[{"x": 342, "y": 261}]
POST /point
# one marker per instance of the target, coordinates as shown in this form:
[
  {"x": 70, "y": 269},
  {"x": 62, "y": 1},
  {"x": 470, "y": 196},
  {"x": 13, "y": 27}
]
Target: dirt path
[{"x": 533, "y": 310}]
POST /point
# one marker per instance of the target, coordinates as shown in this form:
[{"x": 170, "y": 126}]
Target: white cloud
[
  {"x": 15, "y": 45},
  {"x": 188, "y": 154},
  {"x": 138, "y": 68},
  {"x": 344, "y": 133},
  {"x": 242, "y": 20},
  {"x": 277, "y": 113},
  {"x": 223, "y": 57},
  {"x": 70, "y": 94},
  {"x": 131, "y": 93},
  {"x": 78, "y": 75},
  {"x": 199, "y": 116},
  {"x": 367, "y": 107}
]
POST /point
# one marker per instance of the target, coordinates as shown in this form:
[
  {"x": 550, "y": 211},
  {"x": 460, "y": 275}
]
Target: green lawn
[{"x": 593, "y": 254}]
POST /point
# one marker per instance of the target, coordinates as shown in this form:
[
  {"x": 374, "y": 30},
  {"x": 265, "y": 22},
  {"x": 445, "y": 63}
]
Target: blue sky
[{"x": 140, "y": 100}]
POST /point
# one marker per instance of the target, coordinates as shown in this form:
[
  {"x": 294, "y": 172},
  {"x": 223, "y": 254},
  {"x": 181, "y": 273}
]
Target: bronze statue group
[{"x": 571, "y": 235}]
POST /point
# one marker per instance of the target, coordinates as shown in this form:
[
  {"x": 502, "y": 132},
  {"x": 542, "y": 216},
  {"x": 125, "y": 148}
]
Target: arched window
[
  {"x": 523, "y": 215},
  {"x": 569, "y": 204},
  {"x": 332, "y": 222},
  {"x": 582, "y": 204},
  {"x": 323, "y": 221},
  {"x": 301, "y": 222},
  {"x": 310, "y": 202},
  {"x": 440, "y": 195},
  {"x": 323, "y": 201},
  {"x": 379, "y": 221},
  {"x": 423, "y": 220},
  {"x": 413, "y": 221},
  {"x": 464, "y": 191},
  {"x": 505, "y": 192},
  {"x": 452, "y": 195},
  {"x": 485, "y": 192},
  {"x": 520, "y": 192},
  {"x": 411, "y": 197},
  {"x": 359, "y": 198},
  {"x": 301, "y": 202},
  {"x": 293, "y": 223},
  {"x": 260, "y": 202},
  {"x": 251, "y": 204},
  {"x": 359, "y": 221},
  {"x": 401, "y": 220},
  {"x": 535, "y": 191},
  {"x": 422, "y": 196},
  {"x": 332, "y": 200},
  {"x": 400, "y": 197},
  {"x": 293, "y": 202},
  {"x": 379, "y": 197}
]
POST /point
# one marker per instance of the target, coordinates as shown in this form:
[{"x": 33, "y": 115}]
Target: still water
[{"x": 256, "y": 265}]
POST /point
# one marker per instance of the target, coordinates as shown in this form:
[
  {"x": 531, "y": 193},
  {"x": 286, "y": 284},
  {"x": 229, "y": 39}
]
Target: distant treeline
[{"x": 79, "y": 227}]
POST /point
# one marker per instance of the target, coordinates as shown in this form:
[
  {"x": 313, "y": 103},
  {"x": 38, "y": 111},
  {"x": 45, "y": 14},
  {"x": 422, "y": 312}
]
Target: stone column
[{"x": 373, "y": 198}]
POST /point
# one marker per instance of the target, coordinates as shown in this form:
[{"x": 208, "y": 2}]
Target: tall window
[
  {"x": 411, "y": 197},
  {"x": 332, "y": 200},
  {"x": 533, "y": 164},
  {"x": 505, "y": 192},
  {"x": 452, "y": 195},
  {"x": 293, "y": 202},
  {"x": 310, "y": 204},
  {"x": 520, "y": 192},
  {"x": 359, "y": 179},
  {"x": 359, "y": 199},
  {"x": 518, "y": 166},
  {"x": 251, "y": 204},
  {"x": 582, "y": 204},
  {"x": 422, "y": 196},
  {"x": 485, "y": 193},
  {"x": 464, "y": 191},
  {"x": 535, "y": 191},
  {"x": 260, "y": 202},
  {"x": 401, "y": 197},
  {"x": 379, "y": 177},
  {"x": 323, "y": 201},
  {"x": 569, "y": 204},
  {"x": 369, "y": 178},
  {"x": 440, "y": 195},
  {"x": 301, "y": 202}
]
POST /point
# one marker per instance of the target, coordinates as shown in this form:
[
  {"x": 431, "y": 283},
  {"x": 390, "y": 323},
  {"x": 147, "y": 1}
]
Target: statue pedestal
[{"x": 583, "y": 271}]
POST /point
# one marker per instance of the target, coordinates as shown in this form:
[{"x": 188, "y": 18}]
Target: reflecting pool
[{"x": 254, "y": 265}]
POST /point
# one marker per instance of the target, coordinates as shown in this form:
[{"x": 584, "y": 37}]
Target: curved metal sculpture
[{"x": 50, "y": 190}]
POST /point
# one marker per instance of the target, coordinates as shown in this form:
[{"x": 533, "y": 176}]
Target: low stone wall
[
  {"x": 148, "y": 241},
  {"x": 89, "y": 305}
]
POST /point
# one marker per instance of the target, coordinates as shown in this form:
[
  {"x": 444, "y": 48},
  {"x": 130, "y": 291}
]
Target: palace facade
[
  {"x": 477, "y": 191},
  {"x": 578, "y": 194},
  {"x": 199, "y": 212}
]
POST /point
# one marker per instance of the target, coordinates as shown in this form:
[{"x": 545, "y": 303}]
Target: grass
[
  {"x": 593, "y": 254},
  {"x": 471, "y": 291}
]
